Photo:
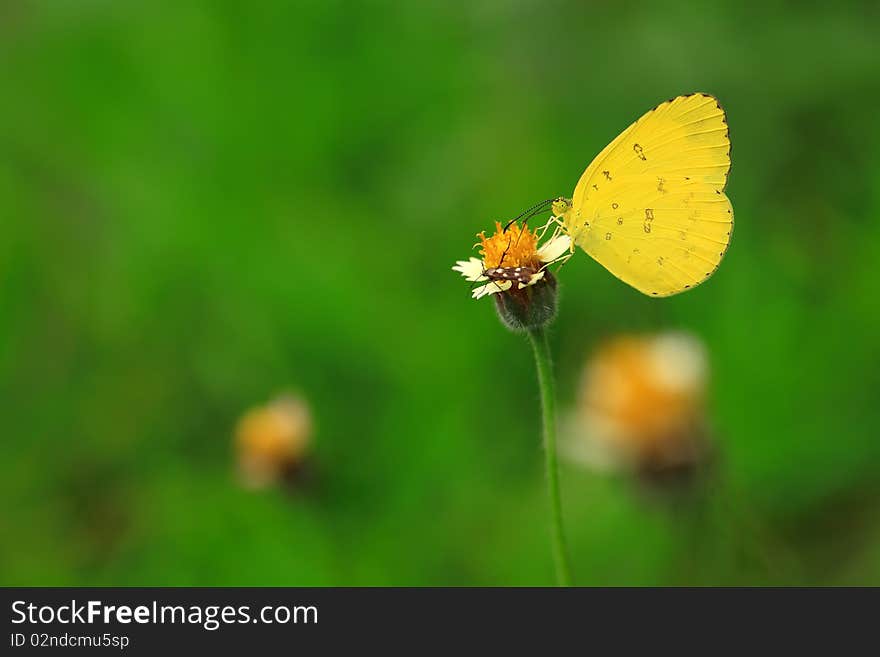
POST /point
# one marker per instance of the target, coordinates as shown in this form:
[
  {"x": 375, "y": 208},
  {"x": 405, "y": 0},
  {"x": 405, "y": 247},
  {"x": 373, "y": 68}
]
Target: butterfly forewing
[{"x": 651, "y": 207}]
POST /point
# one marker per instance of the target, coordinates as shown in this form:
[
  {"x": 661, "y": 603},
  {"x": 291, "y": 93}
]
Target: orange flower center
[{"x": 515, "y": 247}]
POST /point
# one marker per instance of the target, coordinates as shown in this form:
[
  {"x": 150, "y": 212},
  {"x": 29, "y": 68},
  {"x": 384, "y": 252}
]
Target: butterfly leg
[
  {"x": 561, "y": 260},
  {"x": 558, "y": 228},
  {"x": 552, "y": 221}
]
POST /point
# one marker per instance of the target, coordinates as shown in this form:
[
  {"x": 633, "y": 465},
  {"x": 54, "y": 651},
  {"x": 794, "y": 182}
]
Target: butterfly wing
[{"x": 651, "y": 207}]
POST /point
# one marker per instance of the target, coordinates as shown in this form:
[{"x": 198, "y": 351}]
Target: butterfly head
[{"x": 561, "y": 206}]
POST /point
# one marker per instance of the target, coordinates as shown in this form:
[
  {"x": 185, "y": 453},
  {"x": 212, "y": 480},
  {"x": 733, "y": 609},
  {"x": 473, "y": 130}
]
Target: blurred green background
[{"x": 203, "y": 203}]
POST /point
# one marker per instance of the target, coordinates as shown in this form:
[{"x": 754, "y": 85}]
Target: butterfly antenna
[
  {"x": 504, "y": 255},
  {"x": 531, "y": 212},
  {"x": 518, "y": 238}
]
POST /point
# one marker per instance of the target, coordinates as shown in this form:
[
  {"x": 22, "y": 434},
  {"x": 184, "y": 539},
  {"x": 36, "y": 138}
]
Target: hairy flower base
[{"x": 529, "y": 307}]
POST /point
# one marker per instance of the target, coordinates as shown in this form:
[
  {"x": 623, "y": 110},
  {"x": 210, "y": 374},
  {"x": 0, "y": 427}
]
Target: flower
[
  {"x": 641, "y": 405},
  {"x": 511, "y": 258},
  {"x": 272, "y": 441},
  {"x": 516, "y": 270},
  {"x": 525, "y": 298}
]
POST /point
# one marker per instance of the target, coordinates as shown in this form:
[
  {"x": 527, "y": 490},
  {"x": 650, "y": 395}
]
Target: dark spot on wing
[{"x": 649, "y": 217}]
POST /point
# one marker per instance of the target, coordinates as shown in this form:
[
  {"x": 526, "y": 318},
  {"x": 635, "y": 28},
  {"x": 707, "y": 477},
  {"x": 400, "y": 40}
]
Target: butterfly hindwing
[{"x": 651, "y": 207}]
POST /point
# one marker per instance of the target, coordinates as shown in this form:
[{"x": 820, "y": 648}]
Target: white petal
[
  {"x": 554, "y": 248},
  {"x": 534, "y": 279},
  {"x": 499, "y": 286},
  {"x": 481, "y": 291},
  {"x": 491, "y": 288},
  {"x": 471, "y": 269}
]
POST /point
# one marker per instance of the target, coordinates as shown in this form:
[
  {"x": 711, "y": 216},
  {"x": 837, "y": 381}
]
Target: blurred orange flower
[
  {"x": 641, "y": 404},
  {"x": 272, "y": 441}
]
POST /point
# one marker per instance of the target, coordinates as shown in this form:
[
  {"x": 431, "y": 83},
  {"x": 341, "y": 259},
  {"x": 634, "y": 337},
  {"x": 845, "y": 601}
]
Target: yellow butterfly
[{"x": 651, "y": 207}]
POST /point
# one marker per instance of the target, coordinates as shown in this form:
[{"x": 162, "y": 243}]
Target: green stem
[{"x": 538, "y": 338}]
